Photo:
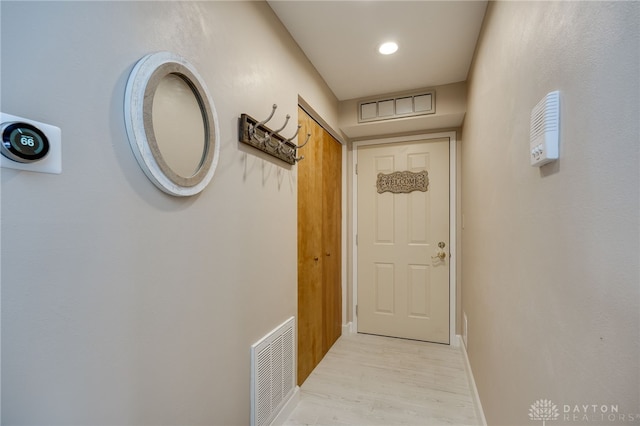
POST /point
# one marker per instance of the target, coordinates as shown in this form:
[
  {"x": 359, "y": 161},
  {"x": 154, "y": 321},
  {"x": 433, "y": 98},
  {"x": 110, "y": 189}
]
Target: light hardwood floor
[{"x": 373, "y": 380}]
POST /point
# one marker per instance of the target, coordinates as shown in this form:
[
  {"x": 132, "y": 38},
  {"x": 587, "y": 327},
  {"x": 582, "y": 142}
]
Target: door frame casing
[{"x": 451, "y": 135}]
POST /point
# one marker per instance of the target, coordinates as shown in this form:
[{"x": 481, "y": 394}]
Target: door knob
[{"x": 439, "y": 256}]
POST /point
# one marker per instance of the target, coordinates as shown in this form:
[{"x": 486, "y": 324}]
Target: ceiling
[{"x": 436, "y": 38}]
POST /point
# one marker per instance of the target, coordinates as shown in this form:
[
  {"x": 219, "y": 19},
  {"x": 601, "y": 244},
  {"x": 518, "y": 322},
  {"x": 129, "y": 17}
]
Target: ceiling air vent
[{"x": 397, "y": 107}]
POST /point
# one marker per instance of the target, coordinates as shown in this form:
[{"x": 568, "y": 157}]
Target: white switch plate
[{"x": 52, "y": 163}]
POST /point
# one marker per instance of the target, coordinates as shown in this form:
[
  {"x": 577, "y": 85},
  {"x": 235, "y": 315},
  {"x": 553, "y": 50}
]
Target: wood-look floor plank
[{"x": 374, "y": 380}]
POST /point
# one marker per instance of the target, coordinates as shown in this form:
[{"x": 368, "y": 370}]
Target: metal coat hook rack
[{"x": 255, "y": 133}]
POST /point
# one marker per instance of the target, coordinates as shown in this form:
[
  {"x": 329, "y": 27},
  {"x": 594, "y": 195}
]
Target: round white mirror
[{"x": 171, "y": 124}]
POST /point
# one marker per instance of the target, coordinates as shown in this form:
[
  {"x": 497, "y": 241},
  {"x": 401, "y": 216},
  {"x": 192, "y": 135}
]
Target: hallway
[
  {"x": 373, "y": 380},
  {"x": 127, "y": 303}
]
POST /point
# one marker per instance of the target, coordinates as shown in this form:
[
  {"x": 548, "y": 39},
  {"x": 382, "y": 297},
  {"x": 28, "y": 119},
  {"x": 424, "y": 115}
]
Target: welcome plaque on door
[{"x": 402, "y": 182}]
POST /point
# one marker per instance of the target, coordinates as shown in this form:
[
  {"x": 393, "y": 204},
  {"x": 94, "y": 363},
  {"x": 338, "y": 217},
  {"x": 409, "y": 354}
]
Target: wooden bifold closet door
[{"x": 319, "y": 250}]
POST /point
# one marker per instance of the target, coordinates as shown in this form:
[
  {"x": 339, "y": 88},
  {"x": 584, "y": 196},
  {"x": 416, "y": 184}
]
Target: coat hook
[
  {"x": 267, "y": 141},
  {"x": 273, "y": 111},
  {"x": 257, "y": 135},
  {"x": 267, "y": 137},
  {"x": 286, "y": 149},
  {"x": 305, "y": 142},
  {"x": 294, "y": 135},
  {"x": 285, "y": 124},
  {"x": 253, "y": 128}
]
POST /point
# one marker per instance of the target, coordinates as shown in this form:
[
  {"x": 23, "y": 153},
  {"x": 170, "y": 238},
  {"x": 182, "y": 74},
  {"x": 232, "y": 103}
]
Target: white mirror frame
[{"x": 138, "y": 105}]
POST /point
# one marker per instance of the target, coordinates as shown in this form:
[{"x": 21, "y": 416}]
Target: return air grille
[
  {"x": 397, "y": 107},
  {"x": 272, "y": 373}
]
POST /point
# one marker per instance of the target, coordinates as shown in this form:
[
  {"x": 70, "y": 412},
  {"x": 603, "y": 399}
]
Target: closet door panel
[
  {"x": 331, "y": 227},
  {"x": 319, "y": 248},
  {"x": 310, "y": 291}
]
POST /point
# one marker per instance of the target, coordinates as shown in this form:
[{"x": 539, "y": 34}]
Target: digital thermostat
[
  {"x": 23, "y": 142},
  {"x": 30, "y": 145}
]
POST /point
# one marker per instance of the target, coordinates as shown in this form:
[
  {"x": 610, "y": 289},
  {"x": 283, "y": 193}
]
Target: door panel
[
  {"x": 419, "y": 291},
  {"x": 403, "y": 291},
  {"x": 310, "y": 308},
  {"x": 331, "y": 233},
  {"x": 319, "y": 245},
  {"x": 384, "y": 288}
]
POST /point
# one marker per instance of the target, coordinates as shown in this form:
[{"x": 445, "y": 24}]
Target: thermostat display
[
  {"x": 29, "y": 145},
  {"x": 23, "y": 142}
]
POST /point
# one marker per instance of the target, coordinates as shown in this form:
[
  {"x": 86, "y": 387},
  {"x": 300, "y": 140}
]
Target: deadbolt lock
[{"x": 441, "y": 244}]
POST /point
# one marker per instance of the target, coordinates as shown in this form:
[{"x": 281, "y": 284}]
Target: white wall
[
  {"x": 551, "y": 281},
  {"x": 121, "y": 304}
]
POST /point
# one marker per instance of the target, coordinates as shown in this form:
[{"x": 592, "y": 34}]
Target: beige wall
[
  {"x": 551, "y": 282},
  {"x": 121, "y": 304}
]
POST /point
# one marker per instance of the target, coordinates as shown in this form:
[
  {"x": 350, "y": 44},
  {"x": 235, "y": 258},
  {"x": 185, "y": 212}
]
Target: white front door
[{"x": 403, "y": 240}]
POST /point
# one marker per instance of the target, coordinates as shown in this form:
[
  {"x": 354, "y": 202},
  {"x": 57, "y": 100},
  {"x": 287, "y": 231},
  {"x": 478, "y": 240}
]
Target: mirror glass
[
  {"x": 178, "y": 125},
  {"x": 172, "y": 124}
]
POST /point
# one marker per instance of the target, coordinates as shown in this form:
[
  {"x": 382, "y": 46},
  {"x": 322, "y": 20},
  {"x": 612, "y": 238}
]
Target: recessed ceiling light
[{"x": 388, "y": 48}]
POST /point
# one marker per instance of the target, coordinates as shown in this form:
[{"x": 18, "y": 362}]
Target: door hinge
[
  {"x": 356, "y": 310},
  {"x": 356, "y": 168},
  {"x": 356, "y": 239}
]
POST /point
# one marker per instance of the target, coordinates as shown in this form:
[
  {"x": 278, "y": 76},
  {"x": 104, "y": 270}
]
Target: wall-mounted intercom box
[
  {"x": 30, "y": 145},
  {"x": 545, "y": 130}
]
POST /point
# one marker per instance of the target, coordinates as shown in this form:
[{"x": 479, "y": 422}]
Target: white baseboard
[
  {"x": 472, "y": 383},
  {"x": 347, "y": 328},
  {"x": 287, "y": 408}
]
